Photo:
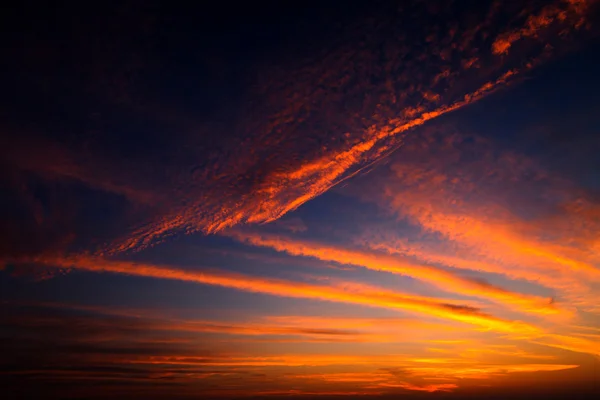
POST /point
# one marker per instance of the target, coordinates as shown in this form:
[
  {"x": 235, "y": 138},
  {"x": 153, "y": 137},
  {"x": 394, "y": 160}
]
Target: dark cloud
[{"x": 256, "y": 132}]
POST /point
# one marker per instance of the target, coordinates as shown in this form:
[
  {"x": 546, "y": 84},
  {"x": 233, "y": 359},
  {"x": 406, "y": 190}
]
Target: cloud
[
  {"x": 554, "y": 13},
  {"x": 344, "y": 292},
  {"x": 303, "y": 127},
  {"x": 479, "y": 208},
  {"x": 277, "y": 176},
  {"x": 281, "y": 193},
  {"x": 101, "y": 324},
  {"x": 89, "y": 344},
  {"x": 98, "y": 180},
  {"x": 447, "y": 281}
]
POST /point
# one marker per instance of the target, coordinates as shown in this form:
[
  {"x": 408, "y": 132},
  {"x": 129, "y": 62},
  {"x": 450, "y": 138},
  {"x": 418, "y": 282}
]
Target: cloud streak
[
  {"x": 344, "y": 292},
  {"x": 282, "y": 188},
  {"x": 447, "y": 281}
]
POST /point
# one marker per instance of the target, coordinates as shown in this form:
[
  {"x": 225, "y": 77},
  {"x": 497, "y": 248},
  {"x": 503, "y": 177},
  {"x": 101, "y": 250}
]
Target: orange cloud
[
  {"x": 461, "y": 260},
  {"x": 413, "y": 374},
  {"x": 318, "y": 176},
  {"x": 472, "y": 209},
  {"x": 133, "y": 348},
  {"x": 283, "y": 188},
  {"x": 558, "y": 12},
  {"x": 355, "y": 322},
  {"x": 442, "y": 279},
  {"x": 483, "y": 371},
  {"x": 501, "y": 245},
  {"x": 343, "y": 292},
  {"x": 374, "y": 379}
]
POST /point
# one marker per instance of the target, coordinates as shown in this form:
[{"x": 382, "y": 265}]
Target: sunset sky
[{"x": 300, "y": 200}]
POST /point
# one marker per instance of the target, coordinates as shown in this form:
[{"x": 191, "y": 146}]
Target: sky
[{"x": 272, "y": 200}]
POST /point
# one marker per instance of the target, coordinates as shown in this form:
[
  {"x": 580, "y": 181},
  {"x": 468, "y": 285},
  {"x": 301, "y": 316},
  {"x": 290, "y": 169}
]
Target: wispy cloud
[
  {"x": 139, "y": 347},
  {"x": 477, "y": 210},
  {"x": 344, "y": 292},
  {"x": 341, "y": 292},
  {"x": 447, "y": 281}
]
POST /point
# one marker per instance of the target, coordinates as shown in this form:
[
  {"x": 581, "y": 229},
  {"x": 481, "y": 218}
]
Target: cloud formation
[
  {"x": 292, "y": 158},
  {"x": 168, "y": 194},
  {"x": 345, "y": 292},
  {"x": 476, "y": 208},
  {"x": 111, "y": 346},
  {"x": 444, "y": 280}
]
